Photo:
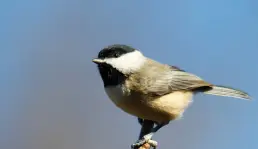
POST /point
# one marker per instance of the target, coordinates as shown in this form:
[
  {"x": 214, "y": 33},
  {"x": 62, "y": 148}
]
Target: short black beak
[{"x": 98, "y": 61}]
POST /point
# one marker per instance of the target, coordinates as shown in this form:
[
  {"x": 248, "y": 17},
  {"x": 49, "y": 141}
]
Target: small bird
[{"x": 150, "y": 90}]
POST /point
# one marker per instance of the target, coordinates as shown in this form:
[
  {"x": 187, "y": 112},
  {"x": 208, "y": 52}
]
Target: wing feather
[
  {"x": 176, "y": 80},
  {"x": 160, "y": 79}
]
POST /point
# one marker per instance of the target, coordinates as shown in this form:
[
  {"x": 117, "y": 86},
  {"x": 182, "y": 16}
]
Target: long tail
[{"x": 228, "y": 92}]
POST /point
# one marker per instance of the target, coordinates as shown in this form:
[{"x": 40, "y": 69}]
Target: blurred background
[{"x": 51, "y": 95}]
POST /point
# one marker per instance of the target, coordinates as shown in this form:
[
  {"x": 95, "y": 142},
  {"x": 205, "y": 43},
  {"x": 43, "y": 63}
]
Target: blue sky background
[{"x": 52, "y": 96}]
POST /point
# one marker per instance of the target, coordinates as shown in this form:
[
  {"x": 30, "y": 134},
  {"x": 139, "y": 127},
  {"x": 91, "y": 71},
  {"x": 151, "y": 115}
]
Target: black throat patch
[{"x": 110, "y": 76}]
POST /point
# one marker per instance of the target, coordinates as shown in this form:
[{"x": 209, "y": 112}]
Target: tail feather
[{"x": 228, "y": 92}]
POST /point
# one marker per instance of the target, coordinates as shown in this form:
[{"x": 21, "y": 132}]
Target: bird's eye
[{"x": 117, "y": 55}]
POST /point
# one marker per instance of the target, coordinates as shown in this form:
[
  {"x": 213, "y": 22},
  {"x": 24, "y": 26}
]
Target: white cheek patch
[{"x": 128, "y": 62}]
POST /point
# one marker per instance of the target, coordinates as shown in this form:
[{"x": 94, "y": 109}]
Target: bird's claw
[{"x": 143, "y": 141}]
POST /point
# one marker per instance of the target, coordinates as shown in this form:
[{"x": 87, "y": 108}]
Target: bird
[{"x": 150, "y": 90}]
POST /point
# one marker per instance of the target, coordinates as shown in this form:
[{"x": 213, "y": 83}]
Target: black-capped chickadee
[{"x": 150, "y": 90}]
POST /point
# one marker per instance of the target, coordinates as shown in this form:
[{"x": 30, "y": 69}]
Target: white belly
[{"x": 161, "y": 109}]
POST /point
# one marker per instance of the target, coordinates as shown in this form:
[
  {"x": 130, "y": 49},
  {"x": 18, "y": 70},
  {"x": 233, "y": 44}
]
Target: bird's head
[{"x": 123, "y": 58}]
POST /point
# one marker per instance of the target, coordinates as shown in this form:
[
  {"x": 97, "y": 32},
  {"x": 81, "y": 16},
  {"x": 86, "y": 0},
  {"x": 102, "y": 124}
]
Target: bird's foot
[{"x": 144, "y": 140}]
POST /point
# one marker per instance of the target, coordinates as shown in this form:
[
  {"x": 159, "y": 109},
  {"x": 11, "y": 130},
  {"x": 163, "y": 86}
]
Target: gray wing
[
  {"x": 175, "y": 68},
  {"x": 176, "y": 80}
]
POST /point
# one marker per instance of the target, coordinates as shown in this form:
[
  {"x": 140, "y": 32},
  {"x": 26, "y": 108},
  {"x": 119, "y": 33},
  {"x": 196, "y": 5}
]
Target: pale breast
[
  {"x": 117, "y": 94},
  {"x": 161, "y": 109}
]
